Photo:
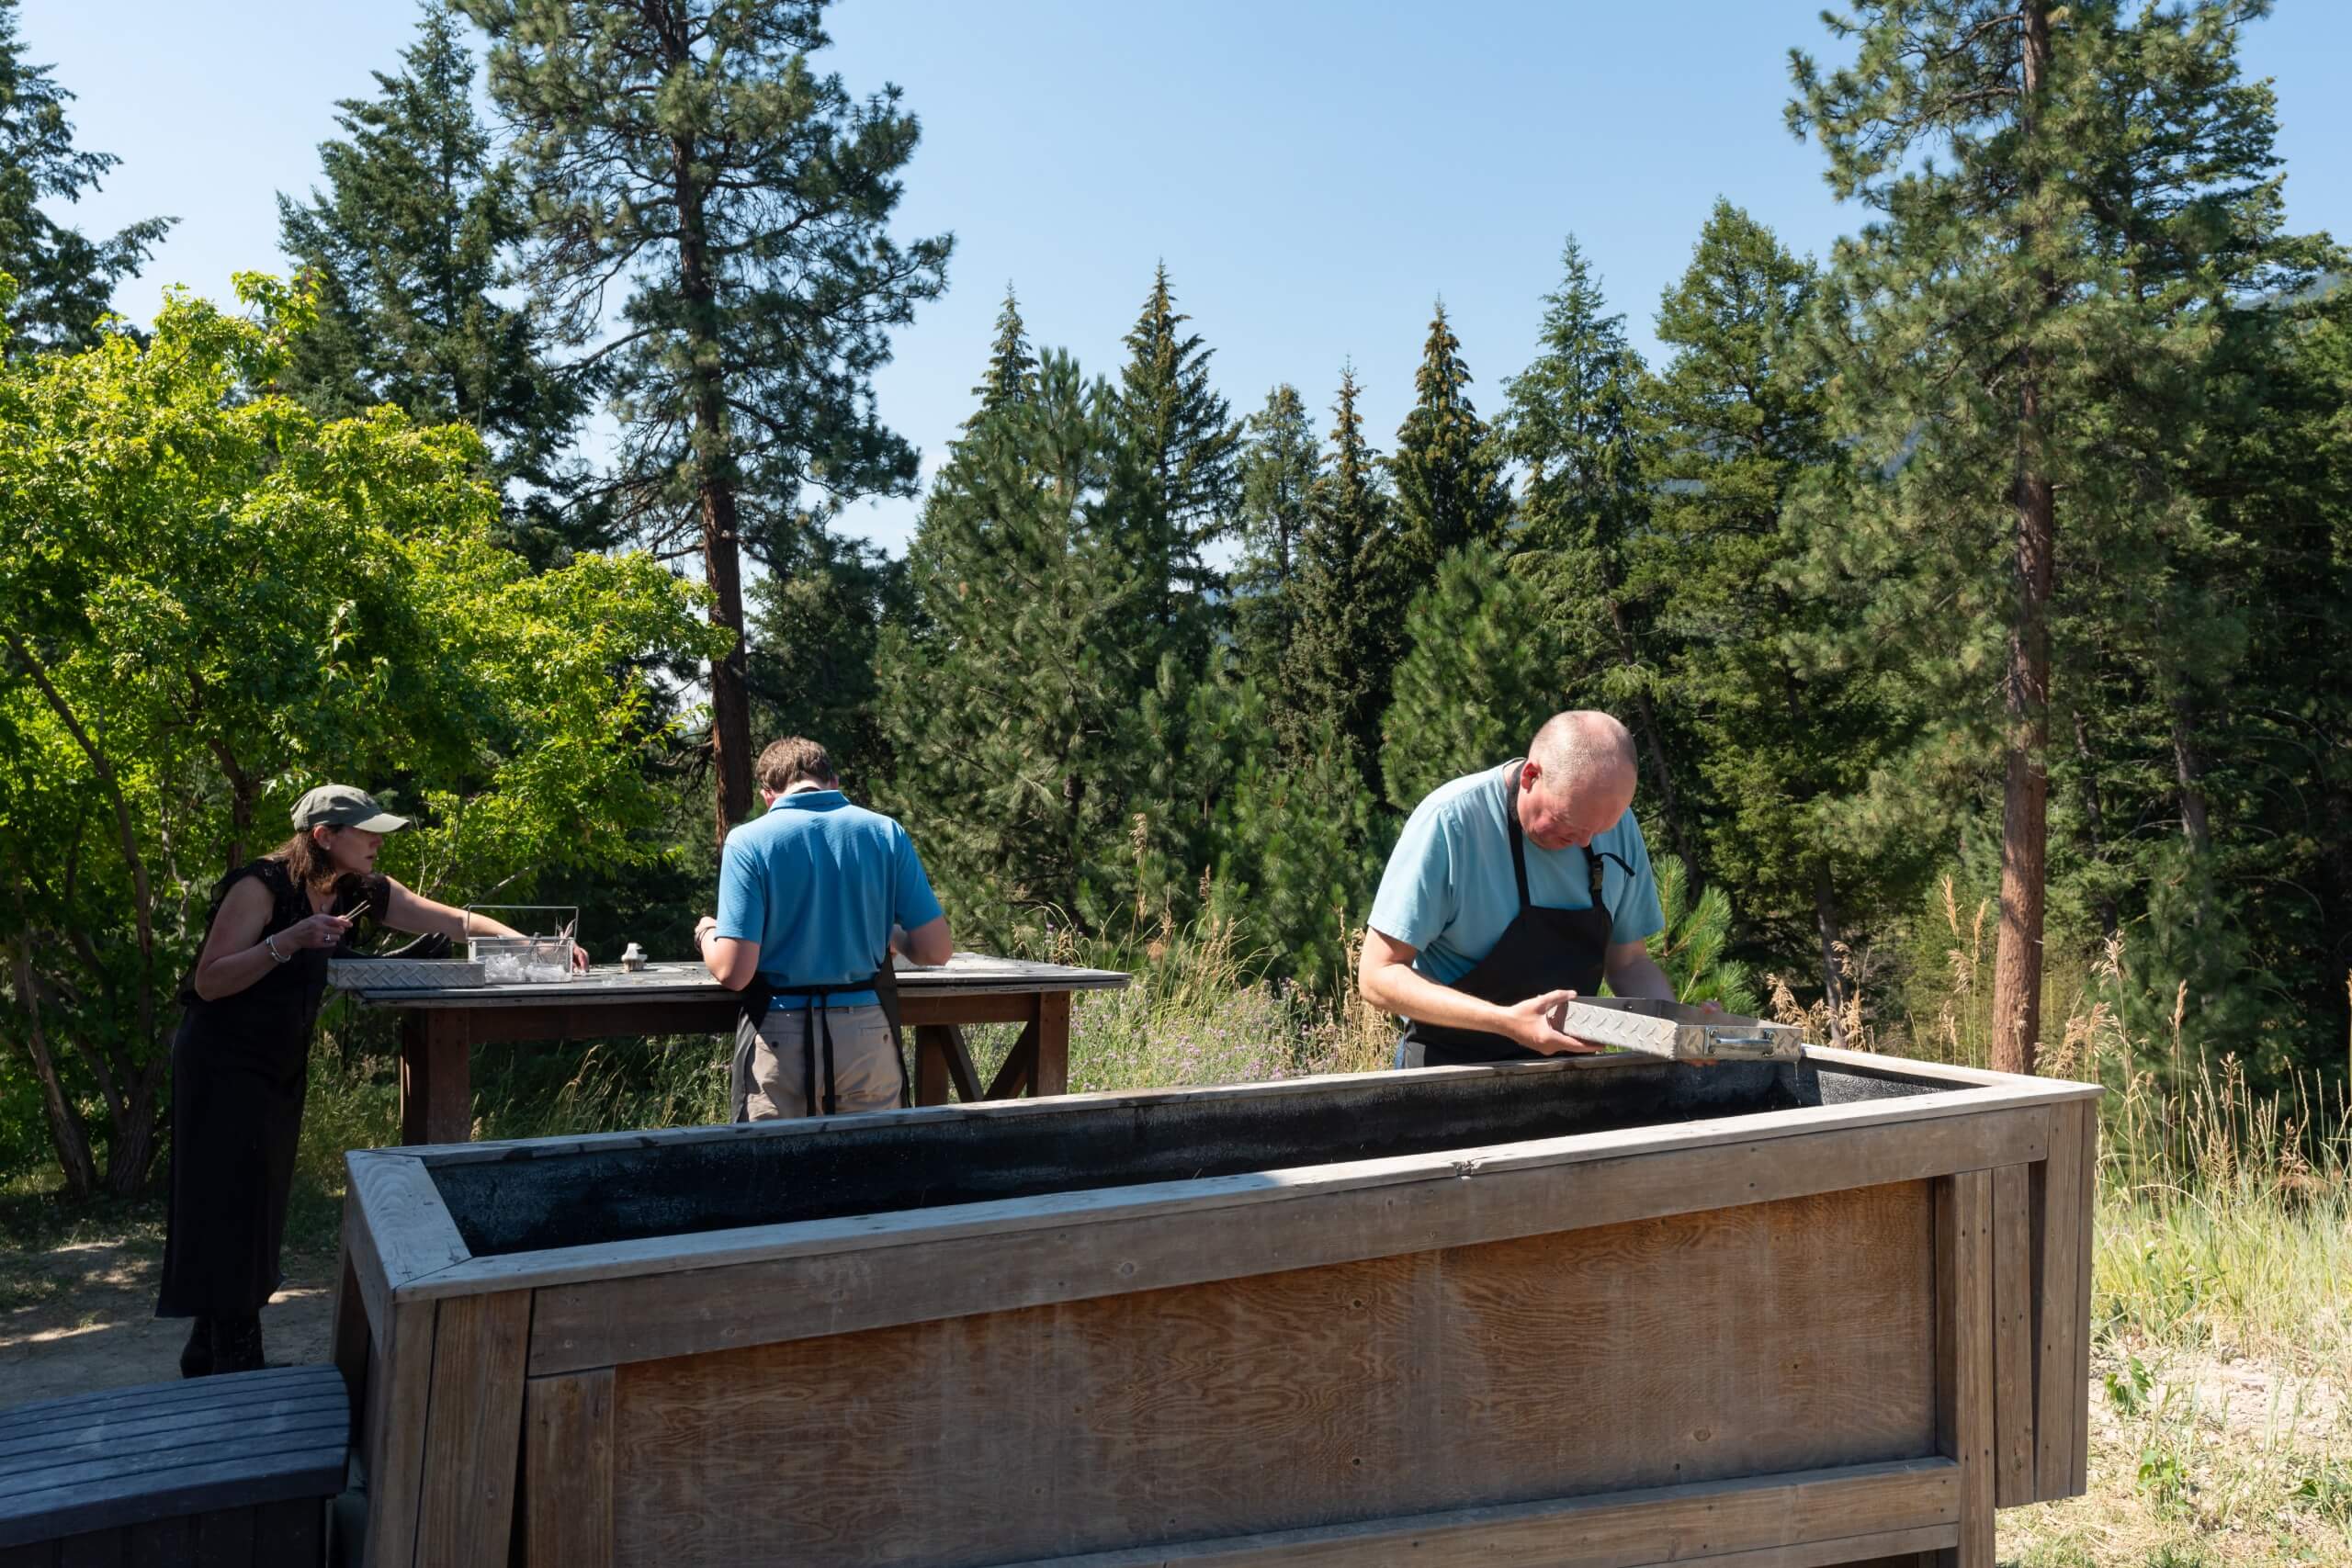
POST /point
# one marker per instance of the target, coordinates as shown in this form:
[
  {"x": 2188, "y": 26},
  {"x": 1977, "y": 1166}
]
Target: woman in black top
[{"x": 241, "y": 1060}]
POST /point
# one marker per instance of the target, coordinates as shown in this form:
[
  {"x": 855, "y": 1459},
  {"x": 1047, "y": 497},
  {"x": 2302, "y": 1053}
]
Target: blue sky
[{"x": 1315, "y": 175}]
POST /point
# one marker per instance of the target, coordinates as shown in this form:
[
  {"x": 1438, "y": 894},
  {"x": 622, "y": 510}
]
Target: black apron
[
  {"x": 816, "y": 1038},
  {"x": 1542, "y": 950},
  {"x": 240, "y": 1072}
]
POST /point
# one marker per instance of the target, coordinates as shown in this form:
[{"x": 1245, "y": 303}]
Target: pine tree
[
  {"x": 64, "y": 279},
  {"x": 1741, "y": 419},
  {"x": 1280, "y": 467},
  {"x": 1182, "y": 447},
  {"x": 1446, "y": 470},
  {"x": 690, "y": 146},
  {"x": 1011, "y": 374},
  {"x": 1010, "y": 698},
  {"x": 1488, "y": 662},
  {"x": 1347, "y": 640},
  {"x": 2028, "y": 315},
  {"x": 817, "y": 625},
  {"x": 410, "y": 246},
  {"x": 1572, "y": 420}
]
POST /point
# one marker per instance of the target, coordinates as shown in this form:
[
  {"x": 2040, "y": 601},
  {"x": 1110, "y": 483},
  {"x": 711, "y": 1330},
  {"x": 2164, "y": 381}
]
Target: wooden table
[{"x": 439, "y": 1028}]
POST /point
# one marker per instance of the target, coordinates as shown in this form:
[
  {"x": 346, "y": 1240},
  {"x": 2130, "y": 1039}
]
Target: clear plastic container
[{"x": 542, "y": 954}]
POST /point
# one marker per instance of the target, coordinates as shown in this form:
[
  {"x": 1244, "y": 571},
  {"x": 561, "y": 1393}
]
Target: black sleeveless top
[{"x": 275, "y": 1013}]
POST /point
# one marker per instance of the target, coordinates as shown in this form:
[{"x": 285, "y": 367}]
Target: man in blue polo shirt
[
  {"x": 1510, "y": 891},
  {"x": 813, "y": 898}
]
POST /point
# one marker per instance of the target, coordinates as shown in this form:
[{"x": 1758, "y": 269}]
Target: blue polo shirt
[
  {"x": 1449, "y": 889},
  {"x": 817, "y": 883}
]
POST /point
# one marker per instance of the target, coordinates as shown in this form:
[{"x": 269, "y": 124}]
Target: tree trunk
[
  {"x": 65, "y": 1130},
  {"x": 2025, "y": 824},
  {"x": 715, "y": 484},
  {"x": 1833, "y": 973},
  {"x": 2190, "y": 771}
]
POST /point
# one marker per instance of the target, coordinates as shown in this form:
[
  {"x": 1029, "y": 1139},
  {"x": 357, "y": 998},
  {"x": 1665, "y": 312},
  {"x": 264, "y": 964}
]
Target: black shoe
[
  {"x": 236, "y": 1344},
  {"x": 196, "y": 1356}
]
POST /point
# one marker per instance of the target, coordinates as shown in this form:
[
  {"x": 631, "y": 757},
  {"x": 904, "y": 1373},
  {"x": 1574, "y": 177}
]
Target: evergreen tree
[
  {"x": 1011, "y": 374},
  {"x": 816, "y": 624},
  {"x": 1280, "y": 467},
  {"x": 1572, "y": 421},
  {"x": 409, "y": 246},
  {"x": 2030, "y": 314},
  {"x": 1182, "y": 448},
  {"x": 1298, "y": 849},
  {"x": 1489, "y": 661},
  {"x": 1447, "y": 474},
  {"x": 690, "y": 146},
  {"x": 64, "y": 279},
  {"x": 1011, "y": 699},
  {"x": 1346, "y": 640},
  {"x": 1740, "y": 415}
]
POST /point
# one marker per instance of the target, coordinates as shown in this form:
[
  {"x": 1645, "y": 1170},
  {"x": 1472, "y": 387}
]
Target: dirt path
[{"x": 80, "y": 1317}]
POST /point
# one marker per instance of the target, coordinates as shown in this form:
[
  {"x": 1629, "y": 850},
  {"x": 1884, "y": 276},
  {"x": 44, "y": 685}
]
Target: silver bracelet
[{"x": 270, "y": 943}]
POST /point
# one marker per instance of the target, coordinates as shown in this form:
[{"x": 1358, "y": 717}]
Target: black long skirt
[{"x": 236, "y": 1123}]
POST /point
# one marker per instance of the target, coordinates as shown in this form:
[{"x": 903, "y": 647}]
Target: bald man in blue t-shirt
[
  {"x": 810, "y": 897},
  {"x": 1510, "y": 891}
]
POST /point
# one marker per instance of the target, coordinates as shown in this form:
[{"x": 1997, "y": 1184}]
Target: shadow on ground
[{"x": 77, "y": 1311}]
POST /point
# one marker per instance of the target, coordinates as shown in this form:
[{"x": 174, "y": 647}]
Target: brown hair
[
  {"x": 308, "y": 864},
  {"x": 792, "y": 760}
]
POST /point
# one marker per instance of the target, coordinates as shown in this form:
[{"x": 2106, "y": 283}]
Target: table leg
[
  {"x": 437, "y": 1078},
  {"x": 931, "y": 1063},
  {"x": 1052, "y": 1076}
]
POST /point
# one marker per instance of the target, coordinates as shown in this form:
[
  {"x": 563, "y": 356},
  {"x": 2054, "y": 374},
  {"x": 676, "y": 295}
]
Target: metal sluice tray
[{"x": 1679, "y": 1031}]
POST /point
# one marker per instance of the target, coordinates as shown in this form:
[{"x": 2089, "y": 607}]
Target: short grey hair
[{"x": 1584, "y": 745}]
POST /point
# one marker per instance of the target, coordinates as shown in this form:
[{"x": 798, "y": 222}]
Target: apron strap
[{"x": 1517, "y": 845}]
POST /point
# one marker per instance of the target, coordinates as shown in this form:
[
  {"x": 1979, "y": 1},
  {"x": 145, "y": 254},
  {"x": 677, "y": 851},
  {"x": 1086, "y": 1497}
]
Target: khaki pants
[{"x": 867, "y": 1071}]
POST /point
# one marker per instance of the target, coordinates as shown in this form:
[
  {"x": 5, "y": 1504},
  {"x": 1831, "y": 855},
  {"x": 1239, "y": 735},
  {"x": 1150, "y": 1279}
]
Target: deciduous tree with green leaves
[
  {"x": 64, "y": 277},
  {"x": 211, "y": 601},
  {"x": 691, "y": 149}
]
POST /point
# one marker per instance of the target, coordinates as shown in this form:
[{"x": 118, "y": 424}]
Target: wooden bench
[{"x": 230, "y": 1469}]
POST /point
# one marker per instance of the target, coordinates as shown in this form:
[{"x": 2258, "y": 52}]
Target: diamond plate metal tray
[
  {"x": 403, "y": 974},
  {"x": 1679, "y": 1031}
]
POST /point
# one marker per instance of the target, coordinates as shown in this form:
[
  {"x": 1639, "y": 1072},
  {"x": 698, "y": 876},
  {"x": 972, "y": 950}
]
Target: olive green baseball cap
[{"x": 342, "y": 805}]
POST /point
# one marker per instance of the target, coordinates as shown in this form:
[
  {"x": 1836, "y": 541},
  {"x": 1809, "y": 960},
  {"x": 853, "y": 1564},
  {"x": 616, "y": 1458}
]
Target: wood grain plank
[
  {"x": 436, "y": 1076},
  {"x": 1051, "y": 1074},
  {"x": 2086, "y": 1212},
  {"x": 1019, "y": 1067},
  {"x": 352, "y": 1338},
  {"x": 568, "y": 1471},
  {"x": 588, "y": 1320},
  {"x": 1856, "y": 1509},
  {"x": 98, "y": 1549},
  {"x": 1302, "y": 1399},
  {"x": 2060, "y": 1402},
  {"x": 1964, "y": 1296},
  {"x": 1387, "y": 1204},
  {"x": 473, "y": 1430},
  {"x": 407, "y": 1225},
  {"x": 400, "y": 1387},
  {"x": 2015, "y": 1341}
]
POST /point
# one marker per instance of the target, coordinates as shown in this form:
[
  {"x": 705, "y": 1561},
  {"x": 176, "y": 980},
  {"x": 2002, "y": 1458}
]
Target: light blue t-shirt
[
  {"x": 816, "y": 882},
  {"x": 1449, "y": 890}
]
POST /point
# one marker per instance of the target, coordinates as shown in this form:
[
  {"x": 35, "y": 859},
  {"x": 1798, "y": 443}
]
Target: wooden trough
[{"x": 1595, "y": 1313}]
